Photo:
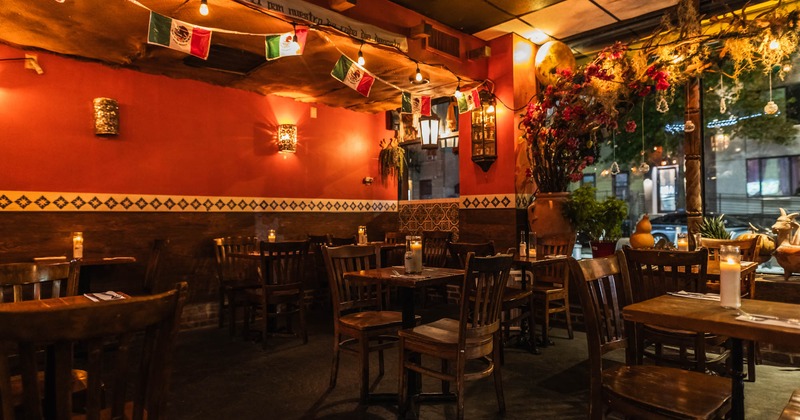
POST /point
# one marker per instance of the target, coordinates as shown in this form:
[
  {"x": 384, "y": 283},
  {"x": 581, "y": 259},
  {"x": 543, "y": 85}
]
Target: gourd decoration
[{"x": 641, "y": 237}]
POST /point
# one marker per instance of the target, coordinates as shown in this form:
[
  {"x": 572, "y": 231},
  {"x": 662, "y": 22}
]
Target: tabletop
[
  {"x": 394, "y": 276},
  {"x": 528, "y": 261},
  {"x": 708, "y": 316}
]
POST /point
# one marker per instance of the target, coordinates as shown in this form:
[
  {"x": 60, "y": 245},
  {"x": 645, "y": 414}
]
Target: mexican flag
[
  {"x": 469, "y": 101},
  {"x": 353, "y": 75},
  {"x": 289, "y": 43},
  {"x": 416, "y": 104},
  {"x": 179, "y": 35}
]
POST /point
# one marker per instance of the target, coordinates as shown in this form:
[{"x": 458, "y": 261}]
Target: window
[
  {"x": 667, "y": 176},
  {"x": 589, "y": 179},
  {"x": 620, "y": 186},
  {"x": 773, "y": 176}
]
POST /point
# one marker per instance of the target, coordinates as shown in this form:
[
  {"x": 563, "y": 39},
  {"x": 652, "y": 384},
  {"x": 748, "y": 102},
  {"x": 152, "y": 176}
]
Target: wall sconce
[
  {"x": 368, "y": 180},
  {"x": 484, "y": 132},
  {"x": 106, "y": 117},
  {"x": 287, "y": 138},
  {"x": 31, "y": 62},
  {"x": 429, "y": 131}
]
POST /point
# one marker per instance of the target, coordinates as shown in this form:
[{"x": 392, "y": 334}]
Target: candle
[
  {"x": 729, "y": 277},
  {"x": 271, "y": 236},
  {"x": 362, "y": 235},
  {"x": 683, "y": 242},
  {"x": 413, "y": 255},
  {"x": 77, "y": 245}
]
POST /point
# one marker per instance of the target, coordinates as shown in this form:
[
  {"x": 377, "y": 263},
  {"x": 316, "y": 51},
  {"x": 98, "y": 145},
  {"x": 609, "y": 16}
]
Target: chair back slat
[
  {"x": 153, "y": 268},
  {"x": 434, "y": 247},
  {"x": 459, "y": 250},
  {"x": 655, "y": 272},
  {"x": 32, "y": 281},
  {"x": 24, "y": 330},
  {"x": 283, "y": 263},
  {"x": 553, "y": 274},
  {"x": 340, "y": 241},
  {"x": 230, "y": 269},
  {"x": 346, "y": 295},
  {"x": 482, "y": 297},
  {"x": 395, "y": 237},
  {"x": 393, "y": 255}
]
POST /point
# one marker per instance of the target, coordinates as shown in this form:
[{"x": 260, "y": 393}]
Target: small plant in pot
[{"x": 601, "y": 221}]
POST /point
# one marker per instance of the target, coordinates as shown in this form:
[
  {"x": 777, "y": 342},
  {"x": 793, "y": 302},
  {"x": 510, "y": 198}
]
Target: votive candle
[
  {"x": 271, "y": 236},
  {"x": 730, "y": 274}
]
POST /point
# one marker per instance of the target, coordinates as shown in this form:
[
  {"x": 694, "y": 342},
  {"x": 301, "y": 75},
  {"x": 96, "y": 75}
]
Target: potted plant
[
  {"x": 601, "y": 221},
  {"x": 391, "y": 159}
]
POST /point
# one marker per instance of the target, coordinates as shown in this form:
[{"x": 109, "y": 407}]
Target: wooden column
[{"x": 693, "y": 155}]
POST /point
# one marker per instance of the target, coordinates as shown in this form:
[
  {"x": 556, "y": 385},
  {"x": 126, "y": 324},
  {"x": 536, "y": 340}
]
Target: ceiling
[{"x": 114, "y": 32}]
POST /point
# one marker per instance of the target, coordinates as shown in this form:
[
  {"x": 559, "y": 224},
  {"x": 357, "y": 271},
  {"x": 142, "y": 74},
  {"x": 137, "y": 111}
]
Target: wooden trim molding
[{"x": 105, "y": 202}]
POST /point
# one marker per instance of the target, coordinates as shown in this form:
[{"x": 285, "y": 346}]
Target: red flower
[
  {"x": 630, "y": 126},
  {"x": 662, "y": 84}
]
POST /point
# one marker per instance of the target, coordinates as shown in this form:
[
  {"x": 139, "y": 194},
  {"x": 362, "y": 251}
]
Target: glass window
[
  {"x": 769, "y": 177},
  {"x": 666, "y": 188},
  {"x": 620, "y": 186},
  {"x": 589, "y": 179}
]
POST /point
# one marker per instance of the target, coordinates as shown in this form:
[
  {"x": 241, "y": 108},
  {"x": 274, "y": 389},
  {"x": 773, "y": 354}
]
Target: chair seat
[
  {"x": 443, "y": 331},
  {"x": 512, "y": 294},
  {"x": 547, "y": 288},
  {"x": 672, "y": 391},
  {"x": 368, "y": 320}
]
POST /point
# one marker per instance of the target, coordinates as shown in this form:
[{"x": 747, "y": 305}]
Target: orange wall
[
  {"x": 500, "y": 177},
  {"x": 176, "y": 137}
]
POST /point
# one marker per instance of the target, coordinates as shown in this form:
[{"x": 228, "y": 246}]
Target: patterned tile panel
[
  {"x": 417, "y": 216},
  {"x": 498, "y": 201},
  {"x": 63, "y": 201}
]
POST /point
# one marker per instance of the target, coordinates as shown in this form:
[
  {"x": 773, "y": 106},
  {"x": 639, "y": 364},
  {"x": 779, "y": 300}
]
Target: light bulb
[
  {"x": 774, "y": 45},
  {"x": 204, "y": 7},
  {"x": 361, "y": 60},
  {"x": 458, "y": 89},
  {"x": 458, "y": 94},
  {"x": 490, "y": 109},
  {"x": 418, "y": 76}
]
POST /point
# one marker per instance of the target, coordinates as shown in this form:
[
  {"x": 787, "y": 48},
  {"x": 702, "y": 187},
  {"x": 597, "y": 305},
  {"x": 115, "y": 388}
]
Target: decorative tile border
[
  {"x": 496, "y": 201},
  {"x": 63, "y": 201}
]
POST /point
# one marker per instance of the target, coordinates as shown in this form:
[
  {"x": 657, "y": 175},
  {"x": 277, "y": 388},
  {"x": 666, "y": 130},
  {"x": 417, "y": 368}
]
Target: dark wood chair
[
  {"x": 392, "y": 255},
  {"x": 360, "y": 325},
  {"x": 474, "y": 336},
  {"x": 434, "y": 254},
  {"x": 143, "y": 329},
  {"x": 281, "y": 294},
  {"x": 748, "y": 248},
  {"x": 235, "y": 275},
  {"x": 340, "y": 241},
  {"x": 635, "y": 391},
  {"x": 551, "y": 283},
  {"x": 154, "y": 264},
  {"x": 652, "y": 273},
  {"x": 395, "y": 237}
]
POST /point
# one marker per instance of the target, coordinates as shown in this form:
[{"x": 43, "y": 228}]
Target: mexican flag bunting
[
  {"x": 416, "y": 104},
  {"x": 286, "y": 44},
  {"x": 353, "y": 75},
  {"x": 469, "y": 101},
  {"x": 177, "y": 35}
]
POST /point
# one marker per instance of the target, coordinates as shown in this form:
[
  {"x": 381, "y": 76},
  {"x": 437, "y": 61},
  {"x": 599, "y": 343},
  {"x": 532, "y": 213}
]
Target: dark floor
[{"x": 219, "y": 377}]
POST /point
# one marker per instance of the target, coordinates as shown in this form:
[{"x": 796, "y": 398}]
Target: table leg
[
  {"x": 737, "y": 379},
  {"x": 527, "y": 337}
]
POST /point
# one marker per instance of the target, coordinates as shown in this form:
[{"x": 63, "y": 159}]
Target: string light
[
  {"x": 361, "y": 60},
  {"x": 204, "y": 7},
  {"x": 458, "y": 89},
  {"x": 418, "y": 76}
]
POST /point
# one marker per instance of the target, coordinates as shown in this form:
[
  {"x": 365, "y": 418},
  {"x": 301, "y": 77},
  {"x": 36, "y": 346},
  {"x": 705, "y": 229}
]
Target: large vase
[{"x": 545, "y": 216}]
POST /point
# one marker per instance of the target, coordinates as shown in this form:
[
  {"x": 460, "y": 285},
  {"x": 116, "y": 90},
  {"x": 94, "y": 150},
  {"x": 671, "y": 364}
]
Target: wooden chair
[
  {"x": 110, "y": 368},
  {"x": 347, "y": 240},
  {"x": 395, "y": 237},
  {"x": 551, "y": 283},
  {"x": 316, "y": 242},
  {"x": 652, "y": 273},
  {"x": 281, "y": 294},
  {"x": 392, "y": 255},
  {"x": 235, "y": 275},
  {"x": 474, "y": 336},
  {"x": 635, "y": 391},
  {"x": 153, "y": 268},
  {"x": 748, "y": 248},
  {"x": 792, "y": 409},
  {"x": 360, "y": 325},
  {"x": 434, "y": 254}
]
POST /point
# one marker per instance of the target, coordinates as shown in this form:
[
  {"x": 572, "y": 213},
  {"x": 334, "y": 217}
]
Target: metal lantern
[
  {"x": 484, "y": 132},
  {"x": 429, "y": 131},
  {"x": 287, "y": 138}
]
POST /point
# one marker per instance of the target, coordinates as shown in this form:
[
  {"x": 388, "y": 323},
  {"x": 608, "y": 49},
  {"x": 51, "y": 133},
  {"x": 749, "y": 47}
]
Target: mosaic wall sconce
[
  {"x": 287, "y": 138},
  {"x": 106, "y": 117}
]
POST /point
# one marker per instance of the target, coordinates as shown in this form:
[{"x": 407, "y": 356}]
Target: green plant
[
  {"x": 714, "y": 228},
  {"x": 391, "y": 159},
  {"x": 597, "y": 219}
]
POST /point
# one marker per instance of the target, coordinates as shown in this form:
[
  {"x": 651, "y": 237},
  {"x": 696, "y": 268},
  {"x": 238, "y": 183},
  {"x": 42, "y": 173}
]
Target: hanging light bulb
[
  {"x": 418, "y": 75},
  {"x": 458, "y": 89},
  {"x": 361, "y": 60},
  {"x": 774, "y": 45},
  {"x": 490, "y": 109},
  {"x": 204, "y": 7}
]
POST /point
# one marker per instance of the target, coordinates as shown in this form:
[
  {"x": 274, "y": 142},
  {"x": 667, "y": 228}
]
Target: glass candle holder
[
  {"x": 362, "y": 235},
  {"x": 77, "y": 245},
  {"x": 271, "y": 236},
  {"x": 532, "y": 244},
  {"x": 730, "y": 274},
  {"x": 683, "y": 242},
  {"x": 413, "y": 259}
]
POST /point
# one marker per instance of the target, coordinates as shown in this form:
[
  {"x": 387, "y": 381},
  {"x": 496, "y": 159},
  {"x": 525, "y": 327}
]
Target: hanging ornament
[
  {"x": 614, "y": 169},
  {"x": 643, "y": 167},
  {"x": 771, "y": 107},
  {"x": 688, "y": 126},
  {"x": 727, "y": 94},
  {"x": 661, "y": 104}
]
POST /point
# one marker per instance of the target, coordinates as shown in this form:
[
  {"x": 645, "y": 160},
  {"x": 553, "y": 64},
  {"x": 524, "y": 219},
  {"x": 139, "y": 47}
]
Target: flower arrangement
[{"x": 563, "y": 126}]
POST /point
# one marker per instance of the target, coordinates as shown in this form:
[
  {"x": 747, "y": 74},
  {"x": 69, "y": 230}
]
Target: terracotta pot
[
  {"x": 545, "y": 216},
  {"x": 602, "y": 248}
]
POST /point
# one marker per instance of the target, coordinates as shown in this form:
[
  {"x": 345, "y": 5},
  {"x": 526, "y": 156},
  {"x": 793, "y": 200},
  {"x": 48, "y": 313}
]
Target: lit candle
[
  {"x": 362, "y": 235},
  {"x": 683, "y": 242},
  {"x": 77, "y": 245},
  {"x": 271, "y": 236},
  {"x": 729, "y": 277},
  {"x": 414, "y": 247}
]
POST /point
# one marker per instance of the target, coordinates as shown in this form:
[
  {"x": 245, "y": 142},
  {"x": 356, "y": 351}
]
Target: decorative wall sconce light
[
  {"x": 30, "y": 61},
  {"x": 106, "y": 117},
  {"x": 429, "y": 131},
  {"x": 368, "y": 180},
  {"x": 287, "y": 138},
  {"x": 484, "y": 132}
]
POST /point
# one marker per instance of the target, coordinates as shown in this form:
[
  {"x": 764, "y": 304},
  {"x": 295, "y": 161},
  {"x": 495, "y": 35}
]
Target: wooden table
[
  {"x": 708, "y": 316},
  {"x": 85, "y": 280},
  {"x": 525, "y": 263},
  {"x": 406, "y": 283}
]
